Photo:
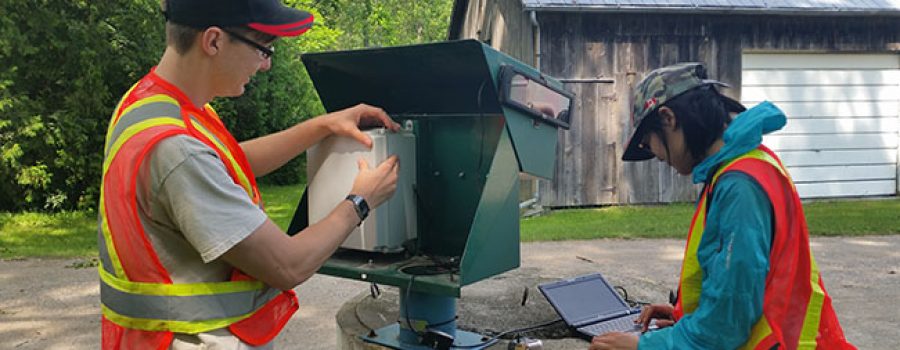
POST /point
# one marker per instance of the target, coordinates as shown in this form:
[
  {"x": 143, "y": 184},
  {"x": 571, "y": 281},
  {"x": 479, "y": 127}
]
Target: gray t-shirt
[{"x": 193, "y": 212}]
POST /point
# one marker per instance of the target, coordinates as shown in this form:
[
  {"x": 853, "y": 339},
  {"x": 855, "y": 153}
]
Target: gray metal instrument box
[{"x": 332, "y": 166}]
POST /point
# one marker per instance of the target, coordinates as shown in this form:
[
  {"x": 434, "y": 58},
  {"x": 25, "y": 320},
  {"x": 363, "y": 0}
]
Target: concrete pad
[{"x": 53, "y": 304}]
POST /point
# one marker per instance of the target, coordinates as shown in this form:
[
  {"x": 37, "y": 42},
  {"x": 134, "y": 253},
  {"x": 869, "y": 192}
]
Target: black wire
[
  {"x": 623, "y": 292},
  {"x": 501, "y": 334},
  {"x": 453, "y": 269},
  {"x": 406, "y": 309},
  {"x": 371, "y": 330},
  {"x": 436, "y": 325},
  {"x": 412, "y": 277},
  {"x": 374, "y": 292},
  {"x": 440, "y": 268},
  {"x": 481, "y": 124},
  {"x": 425, "y": 213},
  {"x": 631, "y": 302}
]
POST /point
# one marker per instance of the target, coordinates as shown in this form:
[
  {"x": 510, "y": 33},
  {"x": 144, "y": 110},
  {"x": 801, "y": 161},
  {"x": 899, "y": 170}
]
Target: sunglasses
[{"x": 264, "y": 52}]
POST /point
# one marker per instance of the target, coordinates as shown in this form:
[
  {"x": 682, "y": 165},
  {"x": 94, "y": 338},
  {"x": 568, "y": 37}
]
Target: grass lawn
[
  {"x": 70, "y": 234},
  {"x": 825, "y": 218},
  {"x": 657, "y": 221},
  {"x": 73, "y": 234}
]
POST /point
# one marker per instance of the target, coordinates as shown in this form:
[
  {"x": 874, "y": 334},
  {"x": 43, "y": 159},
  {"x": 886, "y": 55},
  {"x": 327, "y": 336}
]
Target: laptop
[{"x": 590, "y": 306}]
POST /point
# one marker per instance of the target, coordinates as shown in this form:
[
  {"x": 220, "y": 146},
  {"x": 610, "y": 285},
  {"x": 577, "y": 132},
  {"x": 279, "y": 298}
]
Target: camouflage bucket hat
[{"x": 657, "y": 88}]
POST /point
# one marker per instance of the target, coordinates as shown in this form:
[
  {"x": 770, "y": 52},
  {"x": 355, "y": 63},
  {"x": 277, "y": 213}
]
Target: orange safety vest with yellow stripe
[
  {"x": 797, "y": 311},
  {"x": 142, "y": 308}
]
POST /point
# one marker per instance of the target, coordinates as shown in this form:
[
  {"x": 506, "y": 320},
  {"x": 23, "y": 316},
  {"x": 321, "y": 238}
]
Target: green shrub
[{"x": 66, "y": 63}]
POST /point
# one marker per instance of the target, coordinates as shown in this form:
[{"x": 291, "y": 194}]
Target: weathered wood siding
[
  {"x": 501, "y": 24},
  {"x": 619, "y": 49},
  {"x": 577, "y": 47}
]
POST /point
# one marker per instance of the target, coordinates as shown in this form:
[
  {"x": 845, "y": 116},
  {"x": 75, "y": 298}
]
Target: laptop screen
[{"x": 584, "y": 299}]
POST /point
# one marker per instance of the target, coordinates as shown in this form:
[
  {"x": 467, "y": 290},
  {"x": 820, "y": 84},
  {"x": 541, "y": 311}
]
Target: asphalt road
[{"x": 54, "y": 304}]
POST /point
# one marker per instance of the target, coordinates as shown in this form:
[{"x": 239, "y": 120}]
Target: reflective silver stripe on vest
[
  {"x": 152, "y": 110},
  {"x": 105, "y": 261},
  {"x": 190, "y": 308},
  {"x": 185, "y": 308},
  {"x": 148, "y": 111}
]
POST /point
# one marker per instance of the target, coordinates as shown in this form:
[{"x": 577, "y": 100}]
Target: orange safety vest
[
  {"x": 797, "y": 311},
  {"x": 142, "y": 307}
]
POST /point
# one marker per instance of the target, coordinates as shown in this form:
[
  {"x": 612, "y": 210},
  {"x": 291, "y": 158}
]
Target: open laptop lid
[{"x": 584, "y": 299}]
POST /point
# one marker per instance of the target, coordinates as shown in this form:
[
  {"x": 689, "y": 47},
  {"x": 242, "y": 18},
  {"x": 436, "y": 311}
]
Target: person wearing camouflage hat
[
  {"x": 748, "y": 279},
  {"x": 661, "y": 86}
]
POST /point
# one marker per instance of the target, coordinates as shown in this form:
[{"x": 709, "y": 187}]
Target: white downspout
[
  {"x": 536, "y": 46},
  {"x": 537, "y": 40}
]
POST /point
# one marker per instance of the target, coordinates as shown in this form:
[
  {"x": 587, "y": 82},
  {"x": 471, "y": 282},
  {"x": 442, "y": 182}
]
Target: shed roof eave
[{"x": 717, "y": 10}]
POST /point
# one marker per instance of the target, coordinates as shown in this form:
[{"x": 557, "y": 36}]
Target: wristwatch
[{"x": 362, "y": 208}]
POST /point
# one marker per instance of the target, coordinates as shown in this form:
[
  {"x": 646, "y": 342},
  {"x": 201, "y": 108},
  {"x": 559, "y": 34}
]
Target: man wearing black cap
[{"x": 189, "y": 258}]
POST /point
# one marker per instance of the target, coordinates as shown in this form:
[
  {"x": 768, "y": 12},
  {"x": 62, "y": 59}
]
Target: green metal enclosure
[{"x": 470, "y": 147}]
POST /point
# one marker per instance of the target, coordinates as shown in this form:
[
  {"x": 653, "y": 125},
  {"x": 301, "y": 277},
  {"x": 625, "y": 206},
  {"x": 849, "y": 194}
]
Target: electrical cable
[
  {"x": 374, "y": 292},
  {"x": 406, "y": 309},
  {"x": 623, "y": 292},
  {"x": 371, "y": 331},
  {"x": 501, "y": 334},
  {"x": 440, "y": 269},
  {"x": 631, "y": 302},
  {"x": 481, "y": 124},
  {"x": 444, "y": 268}
]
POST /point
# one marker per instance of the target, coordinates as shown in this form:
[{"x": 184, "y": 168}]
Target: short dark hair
[
  {"x": 182, "y": 36},
  {"x": 702, "y": 113}
]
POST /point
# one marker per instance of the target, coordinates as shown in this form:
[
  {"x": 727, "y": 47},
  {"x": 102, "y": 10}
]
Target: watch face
[
  {"x": 359, "y": 203},
  {"x": 363, "y": 205},
  {"x": 363, "y": 208}
]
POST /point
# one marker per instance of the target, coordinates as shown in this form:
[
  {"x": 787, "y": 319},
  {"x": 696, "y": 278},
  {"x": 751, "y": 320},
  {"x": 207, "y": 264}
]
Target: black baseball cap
[{"x": 266, "y": 16}]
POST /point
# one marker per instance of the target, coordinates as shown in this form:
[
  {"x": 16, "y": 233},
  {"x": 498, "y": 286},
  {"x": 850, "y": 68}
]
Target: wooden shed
[{"x": 832, "y": 65}]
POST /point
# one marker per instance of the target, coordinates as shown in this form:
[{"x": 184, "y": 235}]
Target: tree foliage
[
  {"x": 379, "y": 23},
  {"x": 65, "y": 63}
]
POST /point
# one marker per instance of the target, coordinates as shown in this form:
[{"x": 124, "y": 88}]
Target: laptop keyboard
[{"x": 621, "y": 324}]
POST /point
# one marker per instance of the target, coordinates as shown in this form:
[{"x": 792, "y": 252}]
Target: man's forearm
[
  {"x": 282, "y": 261},
  {"x": 319, "y": 241}
]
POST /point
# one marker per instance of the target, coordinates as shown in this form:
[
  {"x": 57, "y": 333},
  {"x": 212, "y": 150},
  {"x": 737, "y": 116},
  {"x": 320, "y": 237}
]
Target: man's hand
[
  {"x": 662, "y": 313},
  {"x": 544, "y": 108},
  {"x": 347, "y": 122},
  {"x": 614, "y": 341},
  {"x": 376, "y": 185}
]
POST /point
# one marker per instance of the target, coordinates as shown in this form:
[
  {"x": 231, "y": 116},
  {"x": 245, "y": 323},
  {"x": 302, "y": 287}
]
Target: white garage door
[{"x": 843, "y": 132}]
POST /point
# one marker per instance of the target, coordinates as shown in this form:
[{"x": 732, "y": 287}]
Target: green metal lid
[
  {"x": 453, "y": 77},
  {"x": 437, "y": 78}
]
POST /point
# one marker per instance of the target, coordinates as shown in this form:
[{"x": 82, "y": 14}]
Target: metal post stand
[{"x": 424, "y": 320}]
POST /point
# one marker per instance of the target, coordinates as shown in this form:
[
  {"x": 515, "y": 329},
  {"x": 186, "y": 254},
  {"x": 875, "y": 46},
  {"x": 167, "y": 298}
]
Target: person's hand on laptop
[
  {"x": 663, "y": 314},
  {"x": 615, "y": 341}
]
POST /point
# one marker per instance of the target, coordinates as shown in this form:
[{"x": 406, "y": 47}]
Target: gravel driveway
[{"x": 54, "y": 304}]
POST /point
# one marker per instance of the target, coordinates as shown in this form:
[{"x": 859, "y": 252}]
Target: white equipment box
[{"x": 332, "y": 167}]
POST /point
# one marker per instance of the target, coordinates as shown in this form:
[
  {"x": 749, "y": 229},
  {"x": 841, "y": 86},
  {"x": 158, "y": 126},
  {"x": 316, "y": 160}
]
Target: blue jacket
[{"x": 734, "y": 250}]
